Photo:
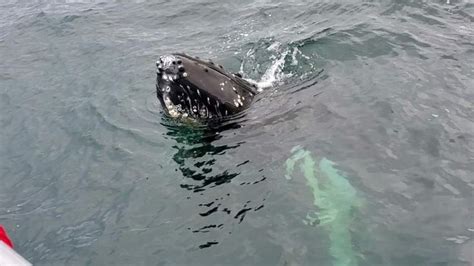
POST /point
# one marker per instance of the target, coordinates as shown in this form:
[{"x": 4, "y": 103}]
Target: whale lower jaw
[
  {"x": 177, "y": 111},
  {"x": 171, "y": 109}
]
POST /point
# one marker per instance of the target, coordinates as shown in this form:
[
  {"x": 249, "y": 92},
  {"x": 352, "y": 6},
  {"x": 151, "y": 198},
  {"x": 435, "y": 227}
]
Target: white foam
[{"x": 273, "y": 75}]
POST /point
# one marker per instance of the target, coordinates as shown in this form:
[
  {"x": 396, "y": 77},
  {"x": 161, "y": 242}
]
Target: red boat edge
[
  {"x": 8, "y": 255},
  {"x": 4, "y": 237}
]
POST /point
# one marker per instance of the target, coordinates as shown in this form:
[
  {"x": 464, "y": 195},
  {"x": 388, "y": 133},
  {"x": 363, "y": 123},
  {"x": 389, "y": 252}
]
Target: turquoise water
[{"x": 93, "y": 174}]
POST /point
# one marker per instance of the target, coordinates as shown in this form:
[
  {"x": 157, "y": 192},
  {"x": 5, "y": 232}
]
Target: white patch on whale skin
[
  {"x": 208, "y": 100},
  {"x": 240, "y": 102},
  {"x": 203, "y": 112},
  {"x": 189, "y": 101},
  {"x": 185, "y": 74},
  {"x": 198, "y": 92},
  {"x": 168, "y": 78}
]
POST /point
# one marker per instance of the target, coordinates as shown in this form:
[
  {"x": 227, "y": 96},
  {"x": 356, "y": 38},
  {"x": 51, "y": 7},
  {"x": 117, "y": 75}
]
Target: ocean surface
[{"x": 93, "y": 173}]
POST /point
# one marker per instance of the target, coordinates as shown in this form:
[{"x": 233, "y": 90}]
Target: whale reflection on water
[{"x": 215, "y": 184}]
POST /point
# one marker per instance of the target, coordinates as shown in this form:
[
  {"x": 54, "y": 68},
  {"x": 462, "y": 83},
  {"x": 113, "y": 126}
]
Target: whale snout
[{"x": 169, "y": 64}]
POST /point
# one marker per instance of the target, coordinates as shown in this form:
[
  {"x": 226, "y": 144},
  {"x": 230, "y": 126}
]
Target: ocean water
[{"x": 93, "y": 173}]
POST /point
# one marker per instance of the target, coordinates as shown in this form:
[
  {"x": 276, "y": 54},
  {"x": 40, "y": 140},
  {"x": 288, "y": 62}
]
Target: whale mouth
[
  {"x": 169, "y": 69},
  {"x": 171, "y": 109},
  {"x": 173, "y": 88},
  {"x": 175, "y": 96}
]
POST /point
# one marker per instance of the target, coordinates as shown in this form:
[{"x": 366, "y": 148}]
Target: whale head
[{"x": 190, "y": 87}]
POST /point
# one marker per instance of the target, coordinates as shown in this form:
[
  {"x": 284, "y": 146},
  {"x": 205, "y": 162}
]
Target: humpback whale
[{"x": 189, "y": 87}]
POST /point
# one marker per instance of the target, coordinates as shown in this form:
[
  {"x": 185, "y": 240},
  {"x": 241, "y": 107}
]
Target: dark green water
[{"x": 92, "y": 174}]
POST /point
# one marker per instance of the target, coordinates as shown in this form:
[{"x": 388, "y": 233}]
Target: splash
[
  {"x": 335, "y": 199},
  {"x": 274, "y": 74}
]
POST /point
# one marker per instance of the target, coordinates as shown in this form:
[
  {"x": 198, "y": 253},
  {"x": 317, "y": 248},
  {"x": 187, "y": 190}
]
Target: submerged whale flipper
[{"x": 190, "y": 87}]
